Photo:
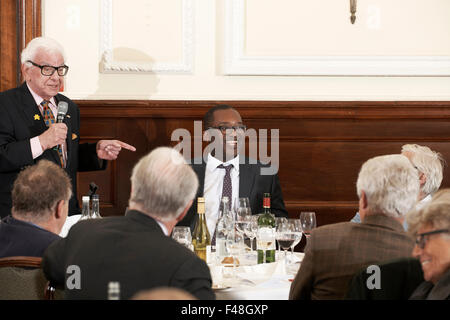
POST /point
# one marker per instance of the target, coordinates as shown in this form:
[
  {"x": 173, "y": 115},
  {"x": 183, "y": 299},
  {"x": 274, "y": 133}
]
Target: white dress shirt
[{"x": 213, "y": 188}]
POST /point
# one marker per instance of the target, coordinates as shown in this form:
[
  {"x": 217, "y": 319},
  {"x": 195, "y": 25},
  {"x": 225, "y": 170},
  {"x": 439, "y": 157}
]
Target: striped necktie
[{"x": 49, "y": 119}]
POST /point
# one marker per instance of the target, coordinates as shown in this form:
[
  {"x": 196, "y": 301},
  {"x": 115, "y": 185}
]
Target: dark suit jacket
[
  {"x": 398, "y": 279},
  {"x": 251, "y": 184},
  {"x": 18, "y": 124},
  {"x": 132, "y": 250},
  {"x": 19, "y": 238},
  {"x": 335, "y": 252}
]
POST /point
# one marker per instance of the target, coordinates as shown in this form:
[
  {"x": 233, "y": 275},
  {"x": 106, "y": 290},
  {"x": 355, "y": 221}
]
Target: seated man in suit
[
  {"x": 134, "y": 250},
  {"x": 40, "y": 199},
  {"x": 387, "y": 187},
  {"x": 430, "y": 165},
  {"x": 226, "y": 172}
]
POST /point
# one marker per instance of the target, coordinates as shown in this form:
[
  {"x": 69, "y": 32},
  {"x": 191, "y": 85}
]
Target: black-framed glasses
[
  {"x": 422, "y": 238},
  {"x": 50, "y": 70},
  {"x": 223, "y": 129}
]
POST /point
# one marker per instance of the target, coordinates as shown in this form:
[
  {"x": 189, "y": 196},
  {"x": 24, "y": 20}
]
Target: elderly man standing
[
  {"x": 40, "y": 198},
  {"x": 135, "y": 251},
  {"x": 387, "y": 187},
  {"x": 430, "y": 165},
  {"x": 29, "y": 132}
]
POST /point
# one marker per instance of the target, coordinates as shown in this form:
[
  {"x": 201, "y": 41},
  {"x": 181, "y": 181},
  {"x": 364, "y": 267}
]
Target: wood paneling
[
  {"x": 322, "y": 144},
  {"x": 20, "y": 21}
]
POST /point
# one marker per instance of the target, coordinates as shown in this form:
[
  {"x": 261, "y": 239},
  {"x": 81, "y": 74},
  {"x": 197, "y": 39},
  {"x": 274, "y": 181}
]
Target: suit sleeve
[
  {"x": 277, "y": 202},
  {"x": 53, "y": 262},
  {"x": 303, "y": 283},
  {"x": 194, "y": 277},
  {"x": 14, "y": 154}
]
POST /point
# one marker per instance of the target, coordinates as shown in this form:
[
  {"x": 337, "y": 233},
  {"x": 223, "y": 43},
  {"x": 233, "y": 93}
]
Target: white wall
[{"x": 277, "y": 39}]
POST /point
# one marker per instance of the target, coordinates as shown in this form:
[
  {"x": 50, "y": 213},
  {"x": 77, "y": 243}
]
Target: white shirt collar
[
  {"x": 212, "y": 163},
  {"x": 163, "y": 227}
]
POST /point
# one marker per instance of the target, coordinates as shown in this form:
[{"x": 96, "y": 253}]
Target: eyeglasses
[
  {"x": 422, "y": 238},
  {"x": 223, "y": 129},
  {"x": 50, "y": 70}
]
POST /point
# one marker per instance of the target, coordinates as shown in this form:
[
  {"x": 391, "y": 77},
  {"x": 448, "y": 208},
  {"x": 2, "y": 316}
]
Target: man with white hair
[
  {"x": 387, "y": 188},
  {"x": 135, "y": 250},
  {"x": 430, "y": 165},
  {"x": 29, "y": 131}
]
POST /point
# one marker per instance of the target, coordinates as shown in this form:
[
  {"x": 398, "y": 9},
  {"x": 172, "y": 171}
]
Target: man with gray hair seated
[
  {"x": 430, "y": 165},
  {"x": 134, "y": 252},
  {"x": 387, "y": 188},
  {"x": 40, "y": 203}
]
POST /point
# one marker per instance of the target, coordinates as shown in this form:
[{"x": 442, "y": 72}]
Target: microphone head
[{"x": 62, "y": 108}]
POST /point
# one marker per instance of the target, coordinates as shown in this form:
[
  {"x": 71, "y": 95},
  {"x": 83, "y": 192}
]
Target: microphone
[
  {"x": 62, "y": 111},
  {"x": 61, "y": 114}
]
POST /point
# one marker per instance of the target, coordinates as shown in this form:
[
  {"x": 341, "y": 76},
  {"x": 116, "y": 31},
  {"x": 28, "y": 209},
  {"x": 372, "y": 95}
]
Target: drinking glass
[
  {"x": 243, "y": 214},
  {"x": 235, "y": 246},
  {"x": 296, "y": 227},
  {"x": 183, "y": 236},
  {"x": 308, "y": 222},
  {"x": 286, "y": 237},
  {"x": 279, "y": 221},
  {"x": 251, "y": 229}
]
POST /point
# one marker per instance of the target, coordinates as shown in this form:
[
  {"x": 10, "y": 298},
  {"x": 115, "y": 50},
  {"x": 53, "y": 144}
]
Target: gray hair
[
  {"x": 390, "y": 183},
  {"x": 428, "y": 162},
  {"x": 435, "y": 214},
  {"x": 163, "y": 183},
  {"x": 41, "y": 43}
]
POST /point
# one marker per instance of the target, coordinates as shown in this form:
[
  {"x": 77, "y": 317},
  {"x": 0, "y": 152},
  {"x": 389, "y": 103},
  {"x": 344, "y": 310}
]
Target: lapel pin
[{"x": 37, "y": 117}]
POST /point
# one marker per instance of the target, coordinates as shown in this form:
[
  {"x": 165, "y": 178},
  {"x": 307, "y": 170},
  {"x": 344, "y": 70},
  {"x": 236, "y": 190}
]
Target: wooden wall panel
[
  {"x": 20, "y": 21},
  {"x": 322, "y": 144}
]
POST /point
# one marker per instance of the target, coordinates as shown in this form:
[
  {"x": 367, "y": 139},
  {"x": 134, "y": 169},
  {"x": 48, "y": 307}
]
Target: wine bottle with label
[
  {"x": 201, "y": 238},
  {"x": 265, "y": 239}
]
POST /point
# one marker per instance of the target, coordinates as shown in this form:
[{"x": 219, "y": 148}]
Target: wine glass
[
  {"x": 251, "y": 229},
  {"x": 286, "y": 236},
  {"x": 183, "y": 236},
  {"x": 243, "y": 214},
  {"x": 296, "y": 227},
  {"x": 278, "y": 222},
  {"x": 308, "y": 222}
]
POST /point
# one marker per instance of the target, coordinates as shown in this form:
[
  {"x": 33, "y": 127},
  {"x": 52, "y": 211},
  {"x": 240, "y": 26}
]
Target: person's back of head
[
  {"x": 390, "y": 184},
  {"x": 428, "y": 162},
  {"x": 39, "y": 193},
  {"x": 163, "y": 184}
]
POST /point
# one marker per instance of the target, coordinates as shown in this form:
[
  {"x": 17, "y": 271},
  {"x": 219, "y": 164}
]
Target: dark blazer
[
  {"x": 251, "y": 184},
  {"x": 19, "y": 238},
  {"x": 430, "y": 291},
  {"x": 398, "y": 279},
  {"x": 18, "y": 124},
  {"x": 336, "y": 252},
  {"x": 131, "y": 250}
]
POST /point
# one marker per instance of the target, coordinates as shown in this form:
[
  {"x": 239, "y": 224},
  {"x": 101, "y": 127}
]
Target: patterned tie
[
  {"x": 49, "y": 118},
  {"x": 226, "y": 191}
]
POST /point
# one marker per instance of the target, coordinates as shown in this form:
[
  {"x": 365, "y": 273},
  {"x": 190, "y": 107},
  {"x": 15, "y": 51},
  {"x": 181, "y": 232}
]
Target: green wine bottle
[{"x": 265, "y": 240}]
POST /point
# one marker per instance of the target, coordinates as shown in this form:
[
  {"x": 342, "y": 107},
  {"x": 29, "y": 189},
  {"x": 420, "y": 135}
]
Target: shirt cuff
[{"x": 36, "y": 148}]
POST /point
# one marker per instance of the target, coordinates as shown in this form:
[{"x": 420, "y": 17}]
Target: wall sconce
[{"x": 353, "y": 11}]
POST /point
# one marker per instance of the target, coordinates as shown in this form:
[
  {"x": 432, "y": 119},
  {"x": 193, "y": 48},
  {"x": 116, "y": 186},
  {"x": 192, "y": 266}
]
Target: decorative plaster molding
[
  {"x": 108, "y": 65},
  {"x": 238, "y": 63}
]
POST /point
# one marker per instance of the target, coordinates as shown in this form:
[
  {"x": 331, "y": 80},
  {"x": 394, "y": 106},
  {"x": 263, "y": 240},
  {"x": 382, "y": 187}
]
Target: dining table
[{"x": 253, "y": 281}]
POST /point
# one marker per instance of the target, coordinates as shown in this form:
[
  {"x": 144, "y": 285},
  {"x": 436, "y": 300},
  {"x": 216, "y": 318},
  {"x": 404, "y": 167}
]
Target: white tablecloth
[{"x": 256, "y": 282}]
